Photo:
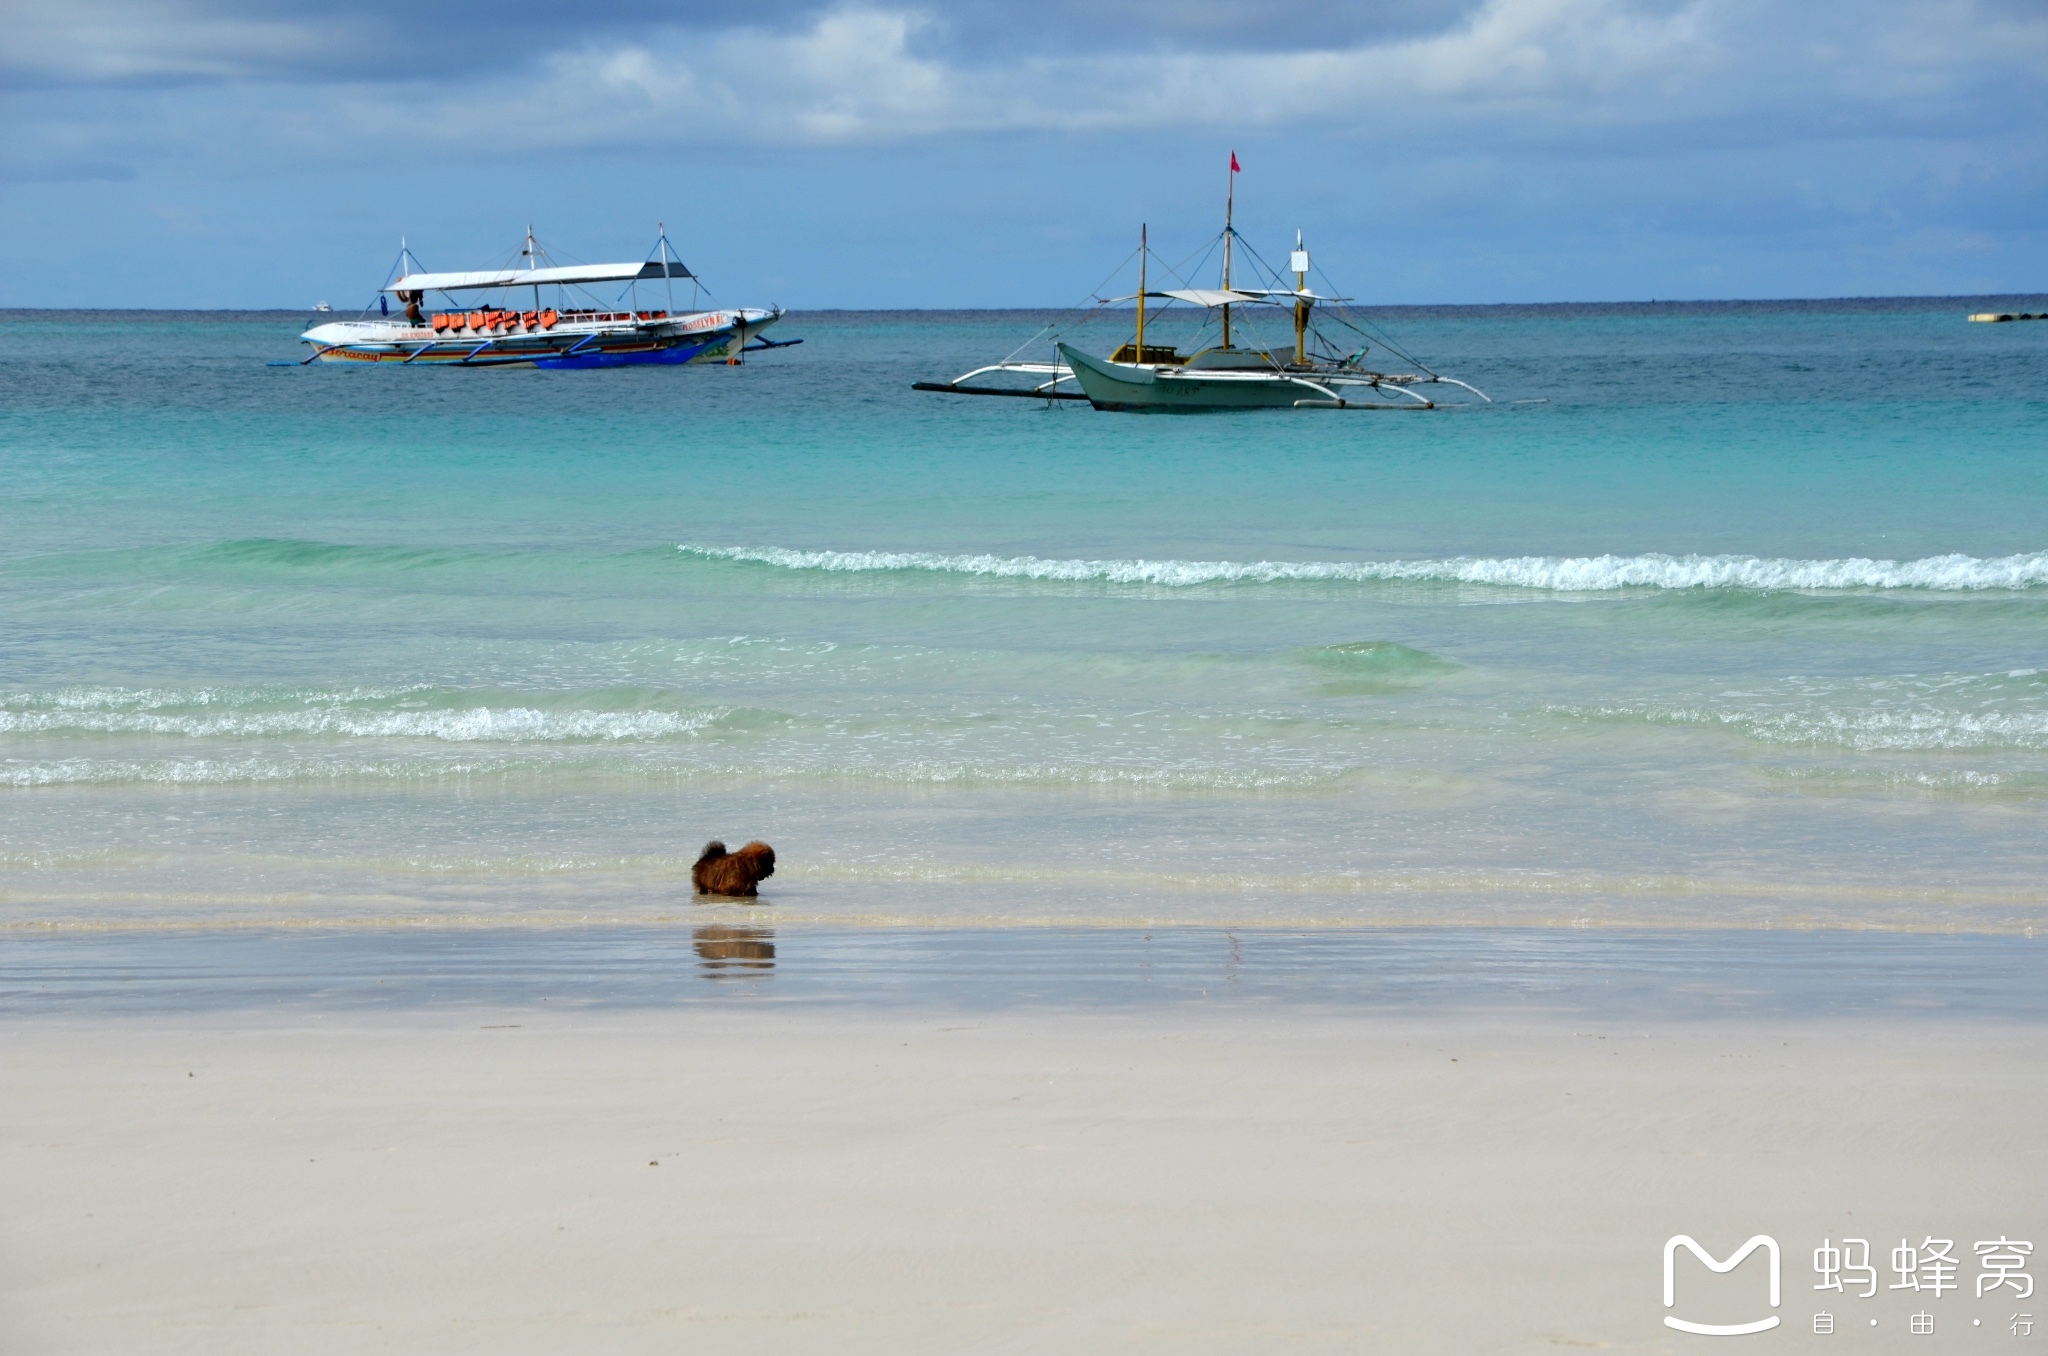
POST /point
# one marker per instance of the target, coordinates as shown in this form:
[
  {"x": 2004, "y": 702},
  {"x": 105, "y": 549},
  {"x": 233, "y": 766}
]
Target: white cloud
[
  {"x": 106, "y": 41},
  {"x": 1494, "y": 74},
  {"x": 850, "y": 76},
  {"x": 862, "y": 74}
]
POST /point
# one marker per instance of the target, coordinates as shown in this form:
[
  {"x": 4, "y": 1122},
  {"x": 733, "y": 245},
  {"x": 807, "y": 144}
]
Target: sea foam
[
  {"x": 1948, "y": 573},
  {"x": 256, "y": 713},
  {"x": 481, "y": 723}
]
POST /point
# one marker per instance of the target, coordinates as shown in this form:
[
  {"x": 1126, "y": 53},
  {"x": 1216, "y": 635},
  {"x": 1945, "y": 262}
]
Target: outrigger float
[
  {"x": 1323, "y": 369},
  {"x": 571, "y": 332}
]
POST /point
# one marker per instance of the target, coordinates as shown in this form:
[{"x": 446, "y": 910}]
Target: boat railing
[{"x": 479, "y": 321}]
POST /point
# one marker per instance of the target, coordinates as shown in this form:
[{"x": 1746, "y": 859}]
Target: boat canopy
[
  {"x": 638, "y": 271},
  {"x": 1231, "y": 296}
]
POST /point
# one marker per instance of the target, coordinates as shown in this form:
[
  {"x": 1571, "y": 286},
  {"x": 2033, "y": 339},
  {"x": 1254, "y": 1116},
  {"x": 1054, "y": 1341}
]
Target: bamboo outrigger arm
[
  {"x": 1398, "y": 384},
  {"x": 1049, "y": 390},
  {"x": 1453, "y": 381},
  {"x": 1334, "y": 399}
]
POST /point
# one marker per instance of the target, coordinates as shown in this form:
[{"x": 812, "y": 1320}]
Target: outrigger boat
[
  {"x": 1323, "y": 369},
  {"x": 571, "y": 332}
]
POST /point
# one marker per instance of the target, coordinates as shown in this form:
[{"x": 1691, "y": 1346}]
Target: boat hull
[
  {"x": 674, "y": 355},
  {"x": 1136, "y": 388},
  {"x": 711, "y": 336},
  {"x": 1147, "y": 389}
]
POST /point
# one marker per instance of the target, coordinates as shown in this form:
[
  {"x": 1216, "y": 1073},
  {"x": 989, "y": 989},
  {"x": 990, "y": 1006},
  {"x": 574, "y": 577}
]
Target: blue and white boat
[{"x": 539, "y": 314}]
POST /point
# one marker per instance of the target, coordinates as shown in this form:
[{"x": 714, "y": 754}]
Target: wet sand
[
  {"x": 756, "y": 955},
  {"x": 759, "y": 1176}
]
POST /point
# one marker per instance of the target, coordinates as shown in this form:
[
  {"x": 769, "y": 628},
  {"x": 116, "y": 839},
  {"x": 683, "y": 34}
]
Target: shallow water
[
  {"x": 1612, "y": 975},
  {"x": 1747, "y": 621}
]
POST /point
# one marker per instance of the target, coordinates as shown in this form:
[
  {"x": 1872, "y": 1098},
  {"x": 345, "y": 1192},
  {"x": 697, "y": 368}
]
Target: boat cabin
[{"x": 513, "y": 322}]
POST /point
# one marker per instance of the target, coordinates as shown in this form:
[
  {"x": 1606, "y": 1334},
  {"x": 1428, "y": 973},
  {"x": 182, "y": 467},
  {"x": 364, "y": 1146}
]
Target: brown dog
[{"x": 719, "y": 872}]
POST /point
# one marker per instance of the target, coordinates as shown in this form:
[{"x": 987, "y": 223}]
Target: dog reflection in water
[{"x": 734, "y": 953}]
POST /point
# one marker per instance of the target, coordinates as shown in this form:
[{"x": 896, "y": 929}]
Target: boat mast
[
  {"x": 1142, "y": 251},
  {"x": 1300, "y": 262},
  {"x": 670, "y": 288},
  {"x": 1229, "y": 209},
  {"x": 532, "y": 263}
]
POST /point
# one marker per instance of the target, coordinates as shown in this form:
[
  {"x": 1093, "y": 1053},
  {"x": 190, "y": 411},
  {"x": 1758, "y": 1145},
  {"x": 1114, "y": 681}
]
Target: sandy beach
[{"x": 748, "y": 1177}]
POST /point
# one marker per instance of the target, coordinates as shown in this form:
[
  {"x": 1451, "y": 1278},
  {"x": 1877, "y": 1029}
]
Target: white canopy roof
[
  {"x": 1284, "y": 294},
  {"x": 1235, "y": 296},
  {"x": 638, "y": 271}
]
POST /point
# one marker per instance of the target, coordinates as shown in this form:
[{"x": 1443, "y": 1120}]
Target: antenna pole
[
  {"x": 532, "y": 261},
  {"x": 1300, "y": 306},
  {"x": 1229, "y": 212},
  {"x": 662, "y": 228},
  {"x": 1142, "y": 252}
]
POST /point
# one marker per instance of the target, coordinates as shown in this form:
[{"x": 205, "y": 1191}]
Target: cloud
[
  {"x": 868, "y": 74},
  {"x": 851, "y": 75},
  {"x": 239, "y": 85},
  {"x": 1507, "y": 69},
  {"x": 107, "y": 42}
]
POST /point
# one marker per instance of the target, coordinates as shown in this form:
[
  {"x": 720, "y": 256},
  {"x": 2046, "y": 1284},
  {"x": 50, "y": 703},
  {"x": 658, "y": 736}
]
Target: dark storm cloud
[{"x": 112, "y": 42}]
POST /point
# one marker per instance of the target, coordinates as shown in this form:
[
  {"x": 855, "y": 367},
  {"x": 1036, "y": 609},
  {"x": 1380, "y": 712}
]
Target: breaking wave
[
  {"x": 1875, "y": 731},
  {"x": 373, "y": 714},
  {"x": 1942, "y": 713},
  {"x": 1948, "y": 573},
  {"x": 230, "y": 771}
]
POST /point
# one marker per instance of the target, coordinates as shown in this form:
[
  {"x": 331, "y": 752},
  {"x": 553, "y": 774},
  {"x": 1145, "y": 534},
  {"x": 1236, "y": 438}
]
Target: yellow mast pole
[
  {"x": 1229, "y": 209},
  {"x": 1142, "y": 251},
  {"x": 1300, "y": 306}
]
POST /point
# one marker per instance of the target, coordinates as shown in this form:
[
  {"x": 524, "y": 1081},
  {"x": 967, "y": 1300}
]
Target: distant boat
[
  {"x": 321, "y": 308},
  {"x": 1322, "y": 368},
  {"x": 562, "y": 330}
]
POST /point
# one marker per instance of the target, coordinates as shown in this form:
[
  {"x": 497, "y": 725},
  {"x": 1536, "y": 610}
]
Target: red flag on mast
[{"x": 1233, "y": 164}]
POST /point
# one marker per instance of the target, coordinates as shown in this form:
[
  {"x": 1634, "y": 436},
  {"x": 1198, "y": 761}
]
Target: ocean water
[{"x": 1720, "y": 615}]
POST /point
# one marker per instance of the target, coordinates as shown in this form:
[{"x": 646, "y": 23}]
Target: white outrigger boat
[
  {"x": 530, "y": 330},
  {"x": 1319, "y": 370}
]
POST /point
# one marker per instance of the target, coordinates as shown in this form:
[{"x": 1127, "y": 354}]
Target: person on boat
[{"x": 412, "y": 306}]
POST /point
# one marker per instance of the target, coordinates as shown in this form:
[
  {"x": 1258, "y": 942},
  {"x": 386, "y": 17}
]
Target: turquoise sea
[{"x": 1722, "y": 614}]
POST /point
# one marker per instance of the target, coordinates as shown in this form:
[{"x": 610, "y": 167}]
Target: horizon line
[{"x": 1959, "y": 297}]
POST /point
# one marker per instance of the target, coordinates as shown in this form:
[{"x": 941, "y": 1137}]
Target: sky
[{"x": 244, "y": 153}]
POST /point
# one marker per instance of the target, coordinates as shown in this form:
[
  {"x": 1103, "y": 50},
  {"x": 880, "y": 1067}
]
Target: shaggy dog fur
[{"x": 719, "y": 872}]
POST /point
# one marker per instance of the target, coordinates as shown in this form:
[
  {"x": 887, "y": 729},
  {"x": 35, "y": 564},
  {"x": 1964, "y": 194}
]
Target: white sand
[{"x": 934, "y": 1182}]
